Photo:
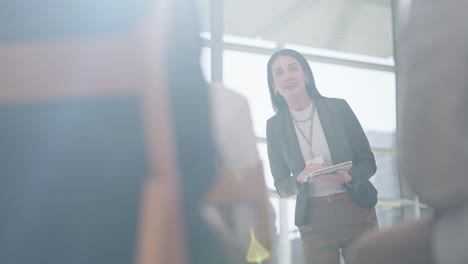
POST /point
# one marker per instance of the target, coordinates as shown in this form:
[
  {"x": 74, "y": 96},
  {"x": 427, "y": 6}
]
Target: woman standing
[{"x": 310, "y": 132}]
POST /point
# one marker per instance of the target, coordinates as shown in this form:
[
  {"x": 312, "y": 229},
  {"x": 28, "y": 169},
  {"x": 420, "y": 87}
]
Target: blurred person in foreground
[
  {"x": 99, "y": 98},
  {"x": 433, "y": 139}
]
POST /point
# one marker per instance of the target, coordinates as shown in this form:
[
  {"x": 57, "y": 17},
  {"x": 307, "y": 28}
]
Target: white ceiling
[{"x": 355, "y": 26}]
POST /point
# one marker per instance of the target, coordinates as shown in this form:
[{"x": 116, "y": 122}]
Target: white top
[{"x": 319, "y": 148}]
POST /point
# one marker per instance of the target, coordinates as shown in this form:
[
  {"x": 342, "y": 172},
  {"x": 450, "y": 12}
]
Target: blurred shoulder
[
  {"x": 233, "y": 127},
  {"x": 222, "y": 96}
]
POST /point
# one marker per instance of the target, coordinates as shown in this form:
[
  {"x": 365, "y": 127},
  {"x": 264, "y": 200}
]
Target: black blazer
[{"x": 346, "y": 141}]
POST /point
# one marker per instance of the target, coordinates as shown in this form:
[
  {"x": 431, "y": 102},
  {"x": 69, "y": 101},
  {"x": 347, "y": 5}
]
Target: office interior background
[{"x": 351, "y": 47}]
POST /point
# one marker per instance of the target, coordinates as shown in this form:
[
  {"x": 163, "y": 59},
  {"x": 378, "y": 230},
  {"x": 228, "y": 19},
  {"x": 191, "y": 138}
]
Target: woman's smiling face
[{"x": 289, "y": 77}]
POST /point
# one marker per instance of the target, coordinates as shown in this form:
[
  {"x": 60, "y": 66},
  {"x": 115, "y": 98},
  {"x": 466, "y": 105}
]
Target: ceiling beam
[{"x": 310, "y": 57}]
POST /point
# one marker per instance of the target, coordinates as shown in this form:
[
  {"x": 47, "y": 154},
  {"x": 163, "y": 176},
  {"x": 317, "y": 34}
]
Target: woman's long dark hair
[
  {"x": 191, "y": 115},
  {"x": 190, "y": 101},
  {"x": 277, "y": 100}
]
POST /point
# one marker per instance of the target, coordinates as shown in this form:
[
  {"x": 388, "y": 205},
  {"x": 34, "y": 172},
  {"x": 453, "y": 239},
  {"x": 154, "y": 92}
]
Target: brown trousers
[{"x": 332, "y": 226}]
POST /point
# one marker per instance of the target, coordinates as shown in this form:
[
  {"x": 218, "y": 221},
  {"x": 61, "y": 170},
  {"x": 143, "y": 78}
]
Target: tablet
[{"x": 342, "y": 166}]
